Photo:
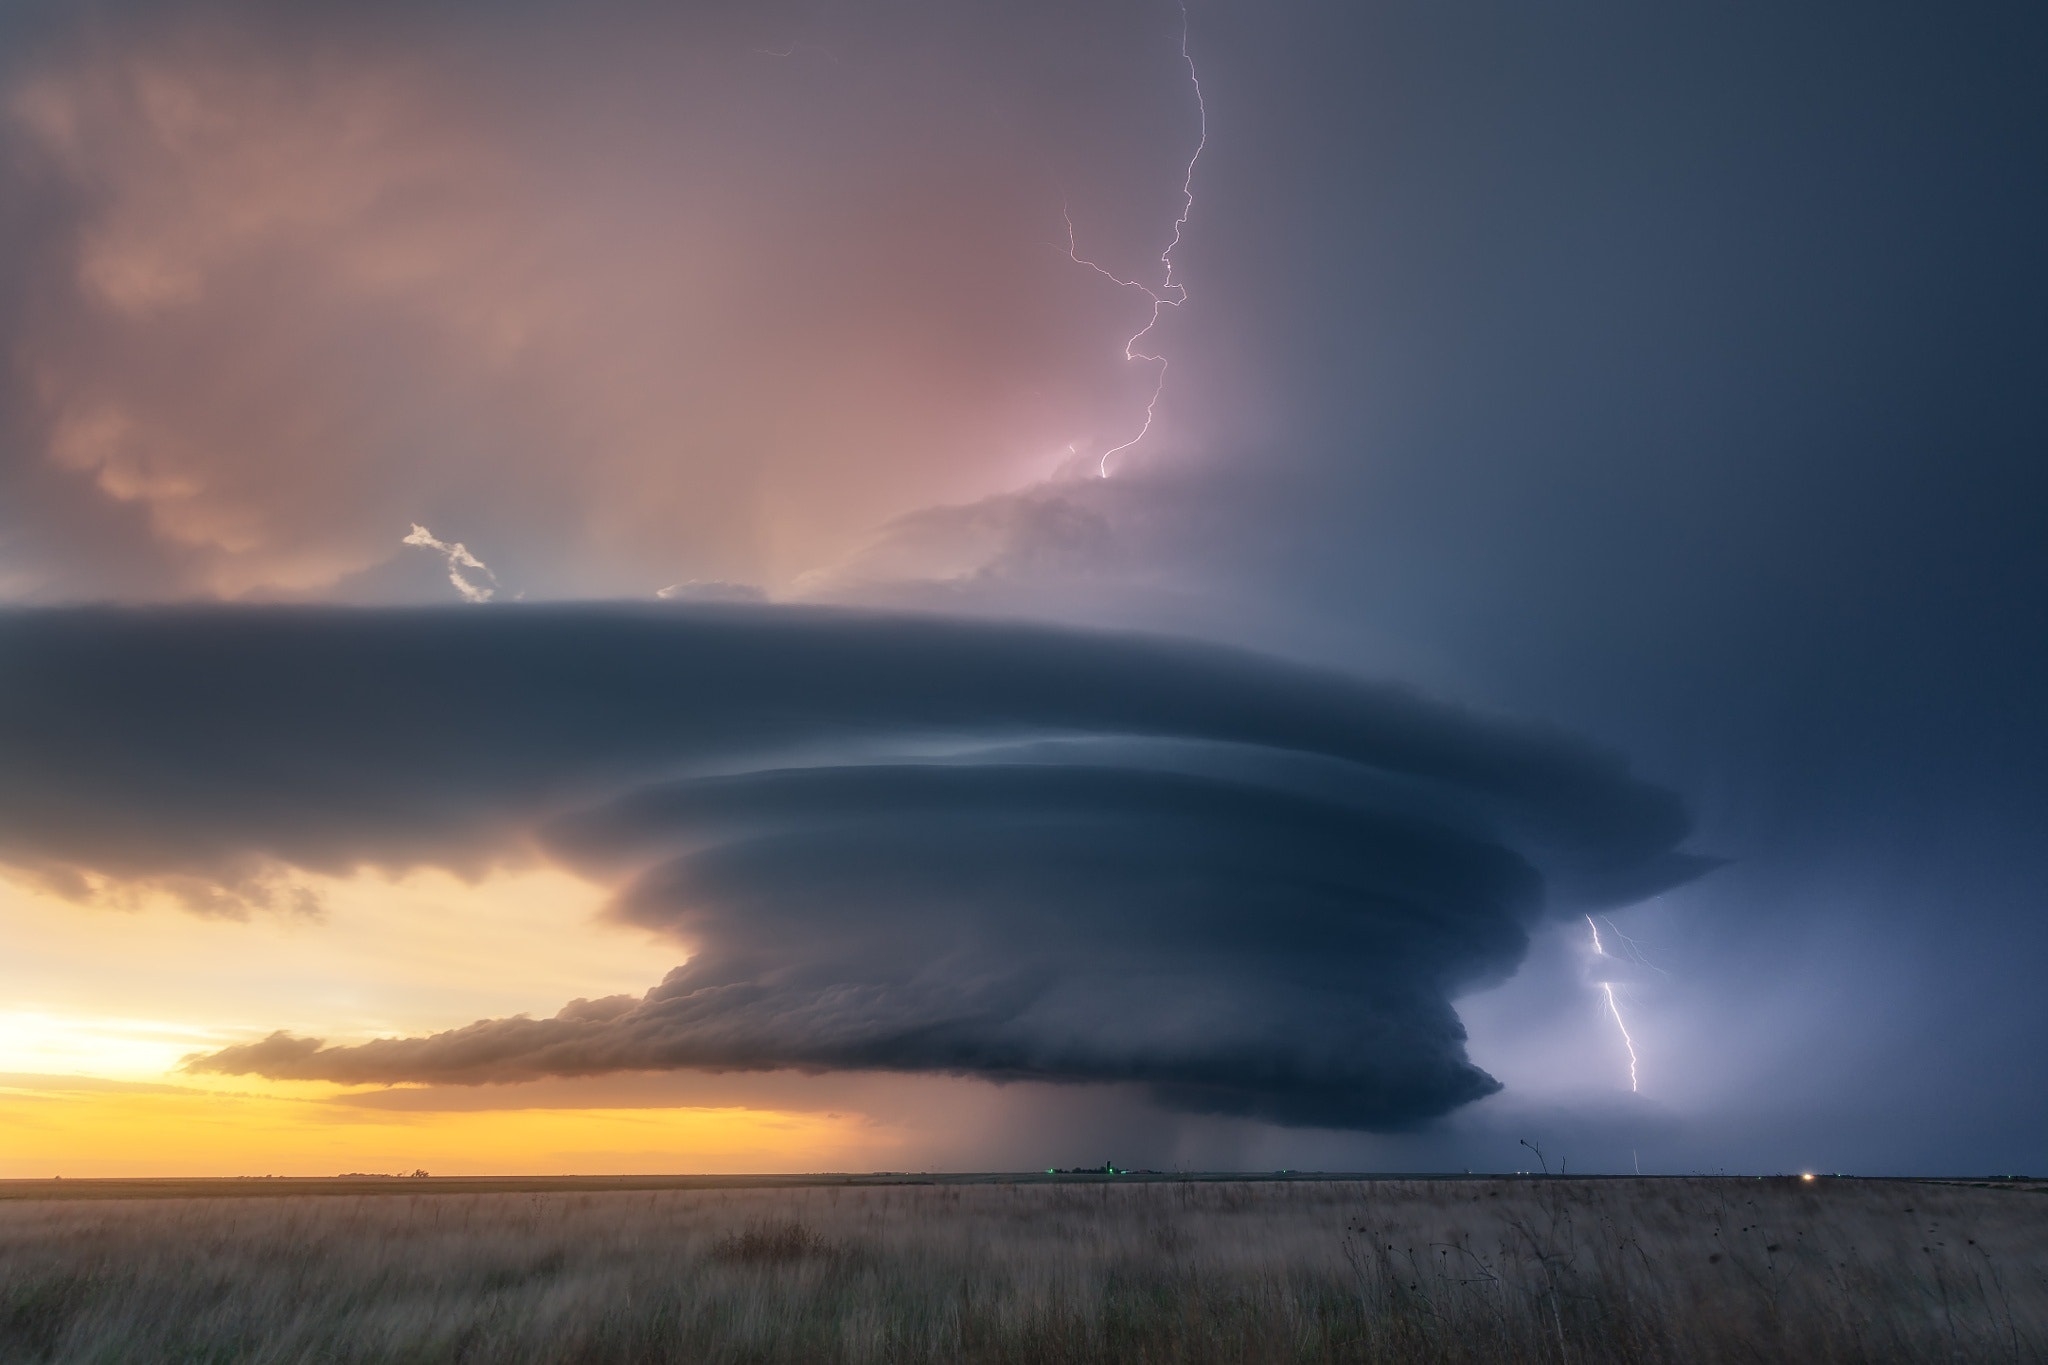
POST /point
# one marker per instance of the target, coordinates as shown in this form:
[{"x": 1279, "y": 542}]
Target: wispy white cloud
[
  {"x": 459, "y": 558},
  {"x": 711, "y": 590}
]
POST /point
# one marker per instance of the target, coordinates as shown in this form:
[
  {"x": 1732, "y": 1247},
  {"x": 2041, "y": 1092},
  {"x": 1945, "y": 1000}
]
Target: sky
[{"x": 888, "y": 585}]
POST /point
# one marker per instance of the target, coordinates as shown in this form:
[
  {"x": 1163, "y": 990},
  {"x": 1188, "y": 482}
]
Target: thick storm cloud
[
  {"x": 1237, "y": 948},
  {"x": 1672, "y": 374},
  {"x": 888, "y": 842},
  {"x": 789, "y": 276}
]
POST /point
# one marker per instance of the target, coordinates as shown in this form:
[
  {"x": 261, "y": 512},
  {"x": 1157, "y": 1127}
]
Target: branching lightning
[
  {"x": 1170, "y": 293},
  {"x": 1614, "y": 1006},
  {"x": 1631, "y": 949}
]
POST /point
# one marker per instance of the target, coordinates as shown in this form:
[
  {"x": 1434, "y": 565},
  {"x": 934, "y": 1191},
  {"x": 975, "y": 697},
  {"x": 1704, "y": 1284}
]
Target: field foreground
[{"x": 1653, "y": 1270}]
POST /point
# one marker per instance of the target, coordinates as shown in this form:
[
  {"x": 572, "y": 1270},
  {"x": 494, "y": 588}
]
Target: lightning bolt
[
  {"x": 1170, "y": 293},
  {"x": 1614, "y": 1007},
  {"x": 1630, "y": 947}
]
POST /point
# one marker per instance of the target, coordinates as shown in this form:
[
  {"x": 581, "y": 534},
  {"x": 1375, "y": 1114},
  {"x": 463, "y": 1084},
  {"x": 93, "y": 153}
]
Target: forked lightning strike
[
  {"x": 1171, "y": 293},
  {"x": 1614, "y": 1007}
]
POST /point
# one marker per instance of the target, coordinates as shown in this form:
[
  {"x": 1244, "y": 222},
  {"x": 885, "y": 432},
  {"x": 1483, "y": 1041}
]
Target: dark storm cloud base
[{"x": 896, "y": 843}]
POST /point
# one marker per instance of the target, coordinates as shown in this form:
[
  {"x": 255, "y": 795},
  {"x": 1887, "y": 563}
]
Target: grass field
[{"x": 1479, "y": 1270}]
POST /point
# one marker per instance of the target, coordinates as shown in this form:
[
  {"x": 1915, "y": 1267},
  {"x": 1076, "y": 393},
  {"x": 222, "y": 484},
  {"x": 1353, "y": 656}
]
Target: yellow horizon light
[{"x": 68, "y": 1127}]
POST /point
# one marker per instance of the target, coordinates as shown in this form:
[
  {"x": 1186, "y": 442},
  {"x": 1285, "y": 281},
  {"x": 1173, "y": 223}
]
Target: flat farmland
[{"x": 896, "y": 1268}]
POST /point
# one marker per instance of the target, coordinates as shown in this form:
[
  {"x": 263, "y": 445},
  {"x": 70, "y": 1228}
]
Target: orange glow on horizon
[
  {"x": 124, "y": 988},
  {"x": 60, "y": 1126},
  {"x": 103, "y": 1000}
]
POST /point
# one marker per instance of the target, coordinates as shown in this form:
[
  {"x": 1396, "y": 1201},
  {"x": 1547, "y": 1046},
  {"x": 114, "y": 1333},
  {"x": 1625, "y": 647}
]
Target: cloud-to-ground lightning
[
  {"x": 1614, "y": 1006},
  {"x": 459, "y": 558},
  {"x": 1171, "y": 293}
]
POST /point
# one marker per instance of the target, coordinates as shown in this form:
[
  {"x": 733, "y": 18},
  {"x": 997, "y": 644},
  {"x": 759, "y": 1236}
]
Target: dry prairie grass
[{"x": 1573, "y": 1272}]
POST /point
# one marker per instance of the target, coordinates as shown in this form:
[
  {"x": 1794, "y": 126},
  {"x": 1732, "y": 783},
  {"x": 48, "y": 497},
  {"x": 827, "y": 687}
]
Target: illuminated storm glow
[
  {"x": 1170, "y": 293},
  {"x": 1614, "y": 1007}
]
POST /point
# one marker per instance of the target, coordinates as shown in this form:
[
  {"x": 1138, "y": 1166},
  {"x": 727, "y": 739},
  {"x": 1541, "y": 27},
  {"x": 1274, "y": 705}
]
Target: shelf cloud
[{"x": 886, "y": 842}]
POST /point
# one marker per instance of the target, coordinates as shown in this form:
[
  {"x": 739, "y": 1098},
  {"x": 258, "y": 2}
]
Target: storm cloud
[
  {"x": 1674, "y": 375},
  {"x": 281, "y": 284},
  {"x": 887, "y": 842}
]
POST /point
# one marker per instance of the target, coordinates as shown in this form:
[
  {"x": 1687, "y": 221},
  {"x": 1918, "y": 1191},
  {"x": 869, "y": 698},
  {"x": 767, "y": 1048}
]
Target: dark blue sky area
[{"x": 1680, "y": 375}]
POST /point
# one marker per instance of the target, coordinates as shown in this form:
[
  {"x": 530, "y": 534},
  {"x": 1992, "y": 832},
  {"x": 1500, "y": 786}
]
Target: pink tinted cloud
[{"x": 665, "y": 309}]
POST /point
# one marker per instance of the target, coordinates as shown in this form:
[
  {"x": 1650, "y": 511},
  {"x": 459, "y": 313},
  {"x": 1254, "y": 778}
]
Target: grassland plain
[{"x": 1475, "y": 1270}]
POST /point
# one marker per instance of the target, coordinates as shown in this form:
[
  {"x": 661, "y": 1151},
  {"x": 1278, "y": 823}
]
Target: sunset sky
[{"x": 591, "y": 589}]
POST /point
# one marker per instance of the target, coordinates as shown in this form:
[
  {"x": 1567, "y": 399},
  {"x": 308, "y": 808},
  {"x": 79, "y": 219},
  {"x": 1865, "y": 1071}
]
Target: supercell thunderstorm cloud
[
  {"x": 887, "y": 843},
  {"x": 912, "y": 584}
]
